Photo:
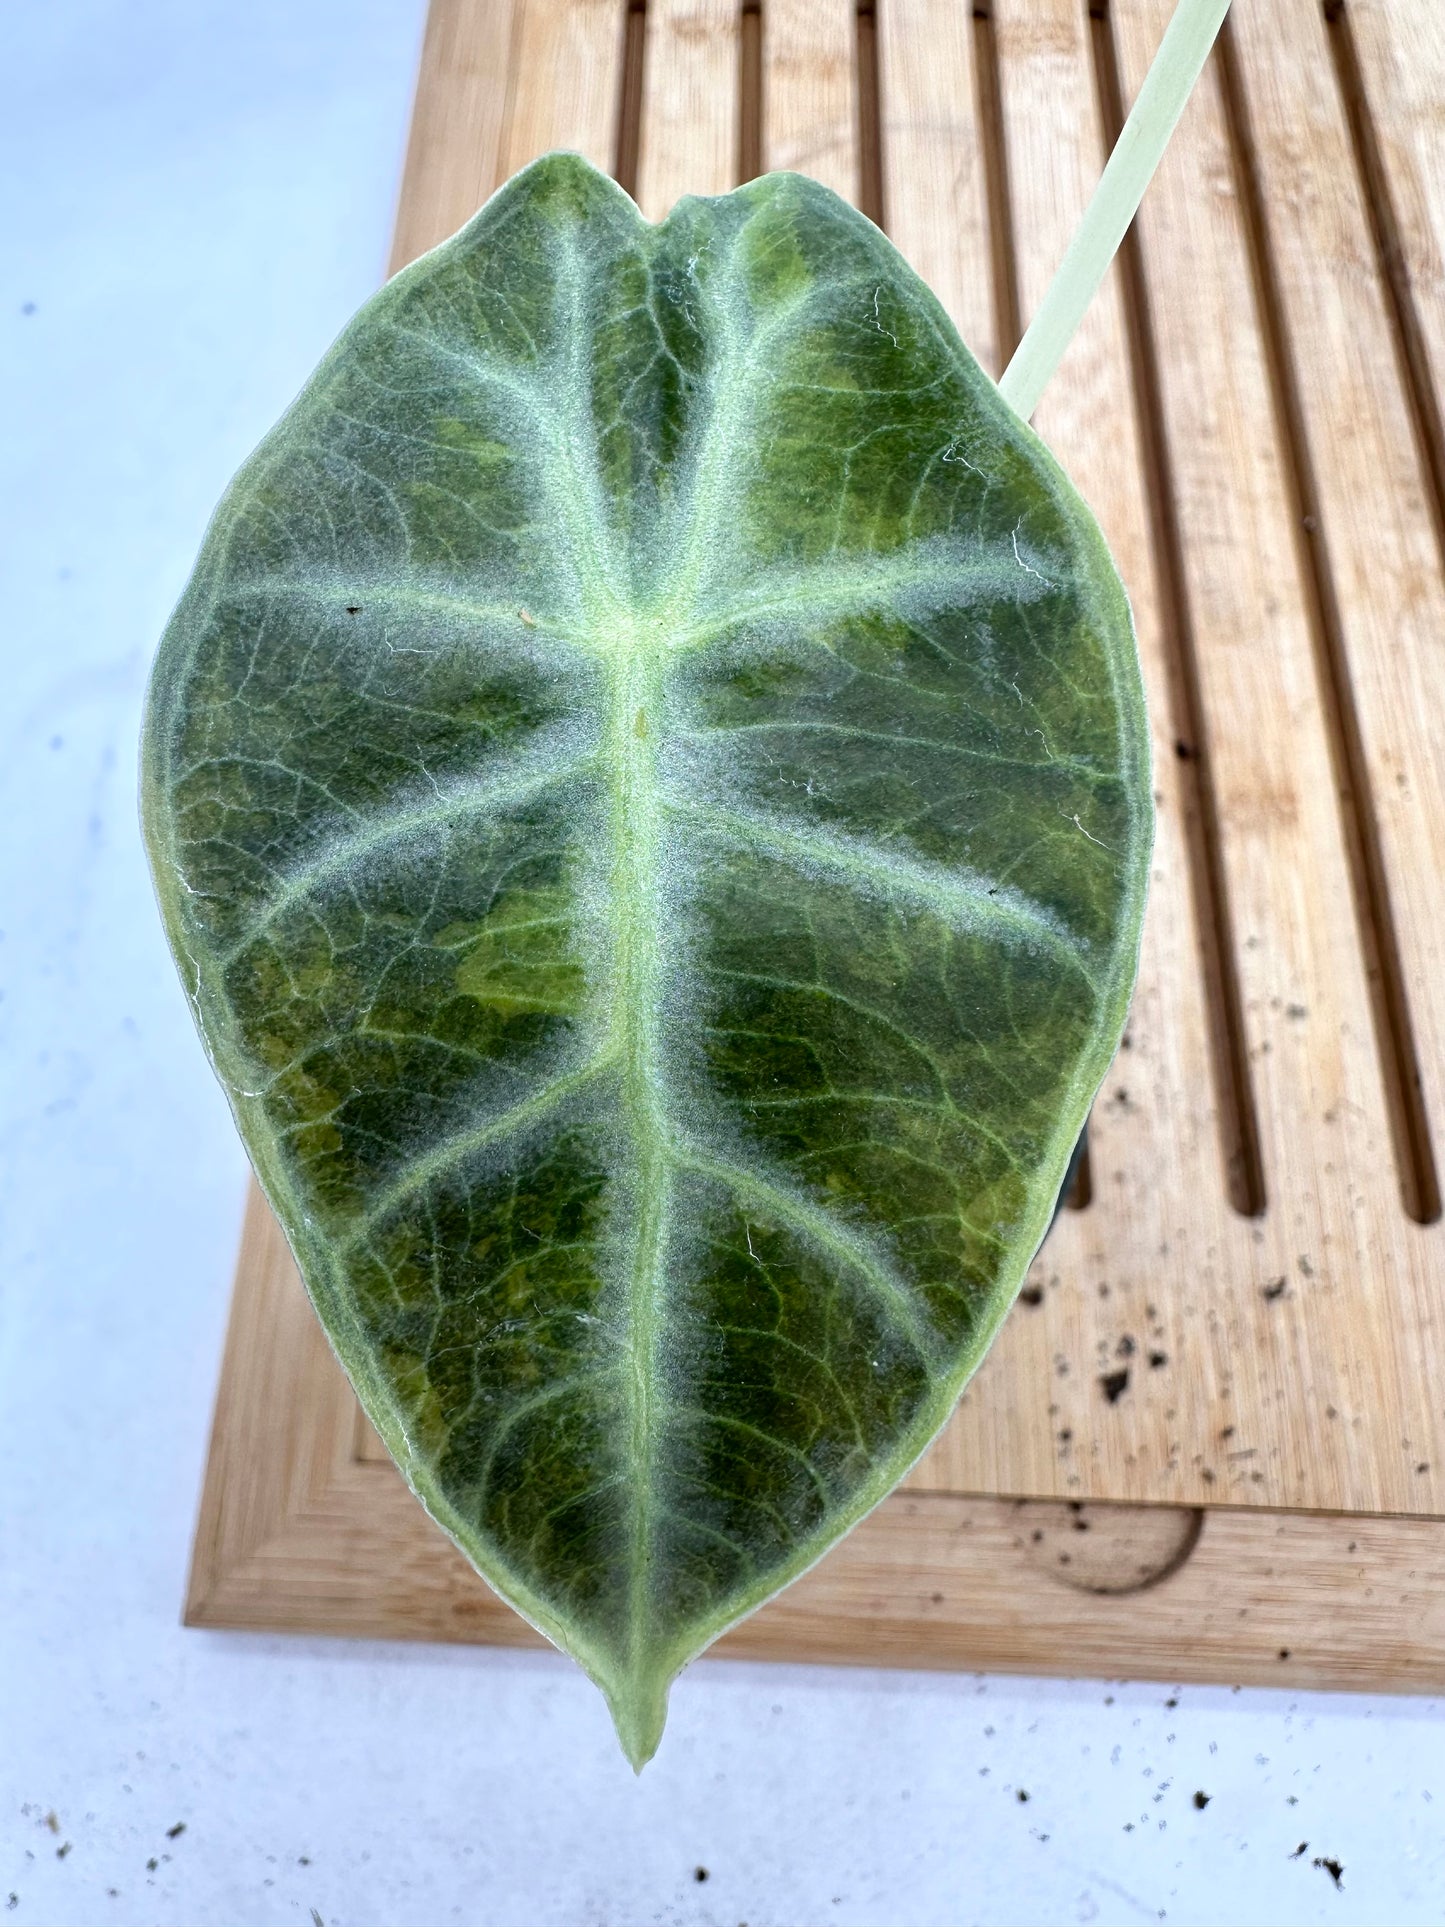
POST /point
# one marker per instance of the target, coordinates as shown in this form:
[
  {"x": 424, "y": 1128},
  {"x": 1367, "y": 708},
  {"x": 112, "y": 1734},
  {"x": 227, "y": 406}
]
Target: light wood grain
[
  {"x": 690, "y": 103},
  {"x": 1287, "y": 1361},
  {"x": 938, "y": 215},
  {"x": 564, "y": 82},
  {"x": 1400, "y": 53},
  {"x": 810, "y": 98},
  {"x": 457, "y": 122}
]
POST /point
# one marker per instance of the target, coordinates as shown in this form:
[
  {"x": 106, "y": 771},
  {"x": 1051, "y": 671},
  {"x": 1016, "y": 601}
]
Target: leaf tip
[{"x": 639, "y": 1713}]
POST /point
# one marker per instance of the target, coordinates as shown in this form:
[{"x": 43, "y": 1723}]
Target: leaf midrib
[{"x": 633, "y": 923}]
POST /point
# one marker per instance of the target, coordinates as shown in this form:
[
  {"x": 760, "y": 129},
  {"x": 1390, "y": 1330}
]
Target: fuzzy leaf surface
[{"x": 648, "y": 790}]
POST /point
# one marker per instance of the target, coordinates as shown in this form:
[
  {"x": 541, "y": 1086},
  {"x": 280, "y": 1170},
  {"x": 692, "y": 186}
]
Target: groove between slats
[
  {"x": 871, "y": 198},
  {"x": 629, "y": 105}
]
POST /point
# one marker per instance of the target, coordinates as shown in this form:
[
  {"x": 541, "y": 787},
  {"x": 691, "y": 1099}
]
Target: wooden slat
[
  {"x": 937, "y": 212},
  {"x": 1383, "y": 568},
  {"x": 1391, "y": 56},
  {"x": 564, "y": 83},
  {"x": 340, "y": 1546},
  {"x": 689, "y": 120},
  {"x": 810, "y": 96},
  {"x": 501, "y": 82},
  {"x": 456, "y": 125}
]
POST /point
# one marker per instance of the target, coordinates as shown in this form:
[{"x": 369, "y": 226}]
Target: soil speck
[
  {"x": 1032, "y": 1295},
  {"x": 1201, "y": 1801},
  {"x": 1114, "y": 1385},
  {"x": 1274, "y": 1289},
  {"x": 175, "y": 1832},
  {"x": 699, "y": 1874},
  {"x": 1333, "y": 1868}
]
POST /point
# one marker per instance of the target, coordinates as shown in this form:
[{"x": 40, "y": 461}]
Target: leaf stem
[{"x": 1137, "y": 152}]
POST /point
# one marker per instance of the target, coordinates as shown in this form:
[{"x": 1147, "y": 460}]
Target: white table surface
[{"x": 196, "y": 197}]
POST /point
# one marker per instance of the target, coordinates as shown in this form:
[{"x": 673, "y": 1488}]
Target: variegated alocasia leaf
[{"x": 649, "y": 793}]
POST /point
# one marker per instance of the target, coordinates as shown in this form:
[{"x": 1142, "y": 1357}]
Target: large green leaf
[{"x": 649, "y": 793}]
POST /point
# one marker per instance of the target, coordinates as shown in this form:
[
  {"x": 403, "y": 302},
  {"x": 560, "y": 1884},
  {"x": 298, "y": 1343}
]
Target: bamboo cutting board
[{"x": 1223, "y": 1392}]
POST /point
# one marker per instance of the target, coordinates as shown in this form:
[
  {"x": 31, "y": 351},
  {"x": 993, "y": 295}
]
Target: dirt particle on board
[
  {"x": 353, "y": 608},
  {"x": 1158, "y": 1360},
  {"x": 1300, "y": 1851},
  {"x": 1333, "y": 1868},
  {"x": 12, "y": 1901},
  {"x": 1423, "y": 1466},
  {"x": 63, "y": 1849},
  {"x": 1022, "y": 1797},
  {"x": 1126, "y": 1347},
  {"x": 1201, "y": 1800},
  {"x": 1032, "y": 1295},
  {"x": 1296, "y": 1011},
  {"x": 1284, "y": 1652},
  {"x": 52, "y": 1820},
  {"x": 152, "y": 1864},
  {"x": 1114, "y": 1384},
  {"x": 316, "y": 1920},
  {"x": 175, "y": 1832},
  {"x": 1274, "y": 1289},
  {"x": 699, "y": 1874}
]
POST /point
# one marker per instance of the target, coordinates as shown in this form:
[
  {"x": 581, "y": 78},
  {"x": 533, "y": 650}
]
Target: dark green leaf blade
[{"x": 648, "y": 789}]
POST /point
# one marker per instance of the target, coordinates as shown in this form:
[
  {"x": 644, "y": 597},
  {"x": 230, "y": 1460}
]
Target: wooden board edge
[{"x": 933, "y": 1582}]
